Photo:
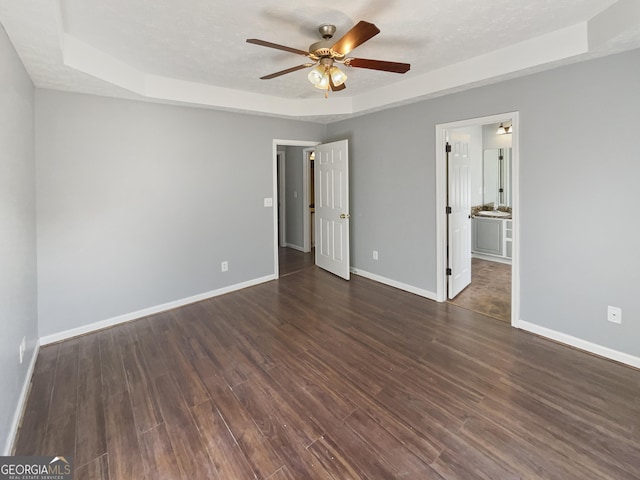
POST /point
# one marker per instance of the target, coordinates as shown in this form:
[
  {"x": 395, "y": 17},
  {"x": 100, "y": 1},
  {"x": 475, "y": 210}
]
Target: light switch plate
[{"x": 268, "y": 202}]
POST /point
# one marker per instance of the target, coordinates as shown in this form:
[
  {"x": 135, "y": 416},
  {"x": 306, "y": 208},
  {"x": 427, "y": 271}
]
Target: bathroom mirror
[{"x": 496, "y": 177}]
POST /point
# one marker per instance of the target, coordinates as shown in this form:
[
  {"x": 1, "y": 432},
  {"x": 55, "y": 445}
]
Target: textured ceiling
[{"x": 204, "y": 41}]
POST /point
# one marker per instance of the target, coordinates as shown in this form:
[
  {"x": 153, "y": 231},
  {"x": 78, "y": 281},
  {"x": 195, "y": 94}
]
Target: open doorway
[
  {"x": 292, "y": 218},
  {"x": 478, "y": 219}
]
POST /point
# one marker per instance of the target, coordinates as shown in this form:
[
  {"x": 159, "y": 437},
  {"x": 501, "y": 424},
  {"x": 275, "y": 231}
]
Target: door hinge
[
  {"x": 447, "y": 148},
  {"x": 447, "y": 210},
  {"x": 448, "y": 271}
]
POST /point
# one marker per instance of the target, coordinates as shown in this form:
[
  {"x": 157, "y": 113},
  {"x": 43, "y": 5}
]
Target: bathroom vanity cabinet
[{"x": 492, "y": 237}]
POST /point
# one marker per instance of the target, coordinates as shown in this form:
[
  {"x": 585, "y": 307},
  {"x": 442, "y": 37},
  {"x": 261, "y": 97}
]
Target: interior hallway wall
[
  {"x": 18, "y": 286},
  {"x": 139, "y": 203},
  {"x": 294, "y": 196}
]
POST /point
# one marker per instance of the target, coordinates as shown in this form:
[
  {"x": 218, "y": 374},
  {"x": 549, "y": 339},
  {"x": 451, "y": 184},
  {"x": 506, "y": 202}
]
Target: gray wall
[
  {"x": 138, "y": 203},
  {"x": 18, "y": 312},
  {"x": 578, "y": 184},
  {"x": 294, "y": 196}
]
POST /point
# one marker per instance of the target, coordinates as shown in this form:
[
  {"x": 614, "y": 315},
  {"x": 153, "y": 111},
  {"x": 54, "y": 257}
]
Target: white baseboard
[
  {"x": 21, "y": 404},
  {"x": 296, "y": 247},
  {"x": 491, "y": 258},
  {"x": 127, "y": 317},
  {"x": 393, "y": 283},
  {"x": 579, "y": 343}
]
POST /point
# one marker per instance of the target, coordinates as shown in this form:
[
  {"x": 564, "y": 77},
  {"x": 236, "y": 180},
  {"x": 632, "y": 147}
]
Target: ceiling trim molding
[
  {"x": 562, "y": 46},
  {"x": 559, "y": 45},
  {"x": 570, "y": 42},
  {"x": 616, "y": 26}
]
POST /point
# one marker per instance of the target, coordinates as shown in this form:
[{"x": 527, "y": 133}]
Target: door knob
[{"x": 343, "y": 216}]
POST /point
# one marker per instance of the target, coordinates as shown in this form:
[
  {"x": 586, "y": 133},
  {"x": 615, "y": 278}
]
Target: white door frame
[
  {"x": 441, "y": 218},
  {"x": 282, "y": 198},
  {"x": 306, "y": 199},
  {"x": 274, "y": 169}
]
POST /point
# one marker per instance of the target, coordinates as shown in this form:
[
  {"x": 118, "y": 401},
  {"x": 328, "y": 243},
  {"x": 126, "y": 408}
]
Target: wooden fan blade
[
  {"x": 336, "y": 88},
  {"x": 288, "y": 70},
  {"x": 395, "y": 67},
  {"x": 359, "y": 34},
  {"x": 256, "y": 41}
]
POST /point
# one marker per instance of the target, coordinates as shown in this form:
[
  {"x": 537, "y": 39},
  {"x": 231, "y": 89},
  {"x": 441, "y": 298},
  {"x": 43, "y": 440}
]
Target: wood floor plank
[
  {"x": 314, "y": 377},
  {"x": 151, "y": 349},
  {"x": 61, "y": 437},
  {"x": 388, "y": 448},
  {"x": 97, "y": 469},
  {"x": 321, "y": 414},
  {"x": 431, "y": 397},
  {"x": 144, "y": 402},
  {"x": 184, "y": 374},
  {"x": 125, "y": 459},
  {"x": 65, "y": 387},
  {"x": 190, "y": 452},
  {"x": 335, "y": 461},
  {"x": 535, "y": 462},
  {"x": 91, "y": 441},
  {"x": 173, "y": 407},
  {"x": 525, "y": 417},
  {"x": 227, "y": 457},
  {"x": 47, "y": 359},
  {"x": 580, "y": 400},
  {"x": 158, "y": 455},
  {"x": 282, "y": 474},
  {"x": 33, "y": 430},
  {"x": 280, "y": 404},
  {"x": 283, "y": 432},
  {"x": 258, "y": 451},
  {"x": 205, "y": 353},
  {"x": 462, "y": 461},
  {"x": 113, "y": 377}
]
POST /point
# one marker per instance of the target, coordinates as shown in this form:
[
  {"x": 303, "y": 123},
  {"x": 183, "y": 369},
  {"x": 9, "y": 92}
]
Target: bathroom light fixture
[{"x": 502, "y": 130}]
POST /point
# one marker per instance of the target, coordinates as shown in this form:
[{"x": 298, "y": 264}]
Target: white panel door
[
  {"x": 459, "y": 221},
  {"x": 331, "y": 168}
]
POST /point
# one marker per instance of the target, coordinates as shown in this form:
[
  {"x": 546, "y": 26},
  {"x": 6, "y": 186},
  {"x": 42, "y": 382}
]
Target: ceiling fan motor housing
[
  {"x": 323, "y": 47},
  {"x": 327, "y": 31}
]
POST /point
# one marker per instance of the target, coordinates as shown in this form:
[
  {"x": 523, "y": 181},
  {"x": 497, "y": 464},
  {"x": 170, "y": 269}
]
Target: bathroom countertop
[
  {"x": 489, "y": 208},
  {"x": 498, "y": 217}
]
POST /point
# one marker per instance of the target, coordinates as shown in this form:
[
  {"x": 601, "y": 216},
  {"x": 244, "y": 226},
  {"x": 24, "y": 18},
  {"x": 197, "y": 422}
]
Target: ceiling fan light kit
[{"x": 325, "y": 75}]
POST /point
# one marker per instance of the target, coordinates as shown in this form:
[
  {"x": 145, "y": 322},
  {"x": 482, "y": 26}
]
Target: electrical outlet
[
  {"x": 375, "y": 254},
  {"x": 22, "y": 348},
  {"x": 614, "y": 314},
  {"x": 224, "y": 266}
]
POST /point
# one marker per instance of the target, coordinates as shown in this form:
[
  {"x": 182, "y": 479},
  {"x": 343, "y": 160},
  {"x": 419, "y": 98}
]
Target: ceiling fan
[{"x": 326, "y": 53}]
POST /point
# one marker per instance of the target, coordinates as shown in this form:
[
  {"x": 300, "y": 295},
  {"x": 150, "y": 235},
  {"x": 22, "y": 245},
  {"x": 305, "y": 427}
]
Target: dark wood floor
[
  {"x": 292, "y": 261},
  {"x": 312, "y": 377},
  {"x": 490, "y": 290}
]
